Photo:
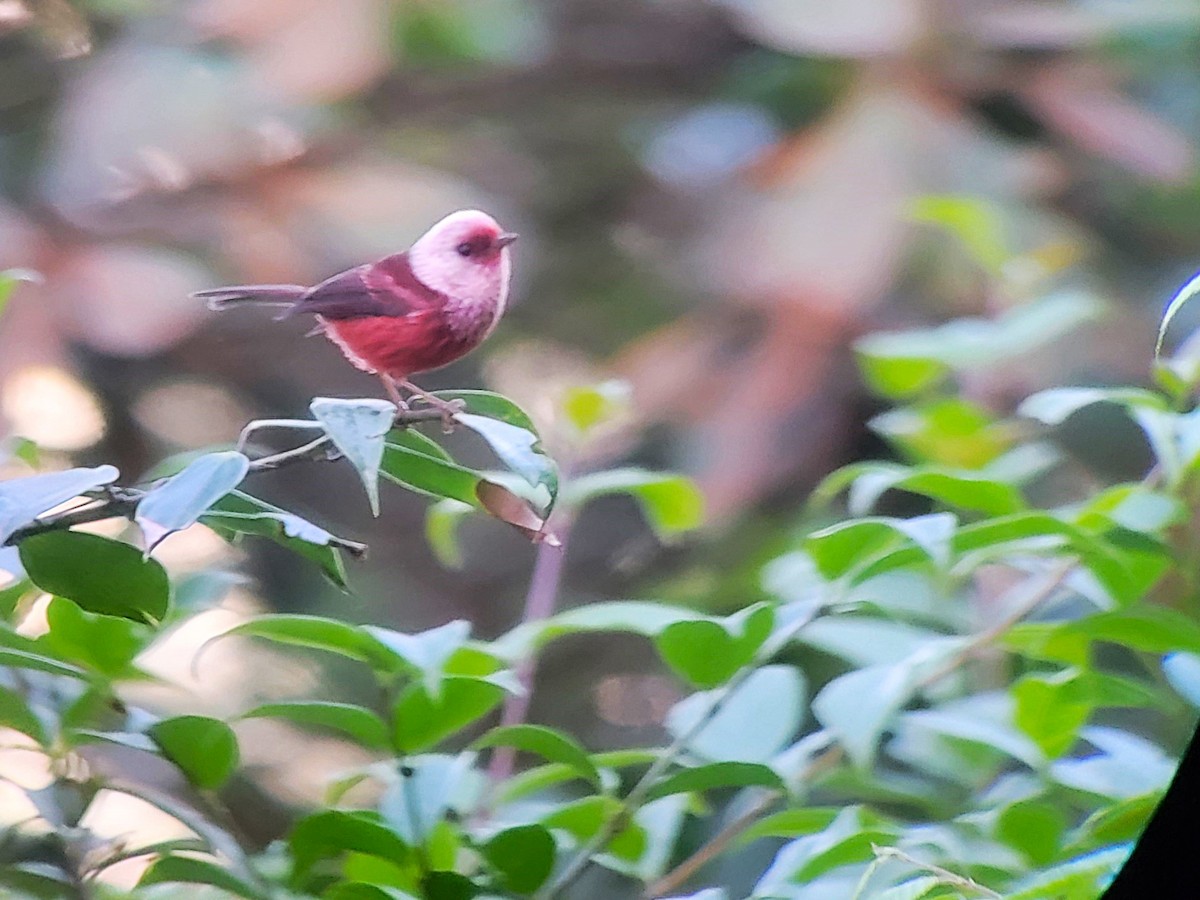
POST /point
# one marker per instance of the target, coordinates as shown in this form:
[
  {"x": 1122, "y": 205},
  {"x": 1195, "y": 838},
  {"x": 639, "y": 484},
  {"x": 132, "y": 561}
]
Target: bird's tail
[{"x": 252, "y": 294}]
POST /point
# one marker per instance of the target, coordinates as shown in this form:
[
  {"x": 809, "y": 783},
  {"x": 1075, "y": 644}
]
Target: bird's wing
[{"x": 384, "y": 288}]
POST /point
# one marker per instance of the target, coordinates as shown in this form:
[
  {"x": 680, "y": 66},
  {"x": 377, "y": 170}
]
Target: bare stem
[
  {"x": 121, "y": 502},
  {"x": 540, "y": 601}
]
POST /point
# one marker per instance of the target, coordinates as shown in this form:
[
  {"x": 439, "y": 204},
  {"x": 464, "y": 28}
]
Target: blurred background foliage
[{"x": 715, "y": 200}]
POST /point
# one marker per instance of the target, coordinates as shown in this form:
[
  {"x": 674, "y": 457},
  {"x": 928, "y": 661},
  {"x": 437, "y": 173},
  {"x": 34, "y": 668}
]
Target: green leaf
[
  {"x": 1183, "y": 673},
  {"x": 590, "y": 407},
  {"x": 180, "y": 500},
  {"x": 357, "y": 428},
  {"x": 101, "y": 575},
  {"x": 239, "y": 513},
  {"x": 105, "y": 644},
  {"x": 361, "y": 890},
  {"x": 524, "y": 856},
  {"x": 15, "y": 713},
  {"x": 1181, "y": 298},
  {"x": 9, "y": 279},
  {"x": 438, "y": 478},
  {"x": 334, "y": 832},
  {"x": 1055, "y": 406},
  {"x": 23, "y": 499},
  {"x": 1051, "y": 710},
  {"x": 1124, "y": 820},
  {"x": 708, "y": 653},
  {"x": 582, "y": 819},
  {"x": 426, "y": 787},
  {"x": 754, "y": 723},
  {"x": 547, "y": 743},
  {"x": 947, "y": 431},
  {"x": 672, "y": 503},
  {"x": 24, "y": 659},
  {"x": 964, "y": 490},
  {"x": 1079, "y": 879},
  {"x": 441, "y": 530},
  {"x": 791, "y": 823},
  {"x": 858, "y": 706},
  {"x": 1153, "y": 629},
  {"x": 716, "y": 776},
  {"x": 847, "y": 839},
  {"x": 428, "y": 651},
  {"x": 318, "y": 633},
  {"x": 194, "y": 870},
  {"x": 1034, "y": 827},
  {"x": 204, "y": 749},
  {"x": 1125, "y": 765},
  {"x": 900, "y": 364},
  {"x": 518, "y": 448},
  {"x": 853, "y": 544},
  {"x": 359, "y": 723},
  {"x": 420, "y": 720},
  {"x": 974, "y": 221},
  {"x": 635, "y": 616}
]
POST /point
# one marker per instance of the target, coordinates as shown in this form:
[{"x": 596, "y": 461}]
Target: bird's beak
[{"x": 506, "y": 238}]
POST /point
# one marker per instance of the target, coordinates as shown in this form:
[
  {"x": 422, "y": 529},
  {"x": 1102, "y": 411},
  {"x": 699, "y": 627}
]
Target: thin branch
[
  {"x": 953, "y": 879},
  {"x": 637, "y": 796},
  {"x": 121, "y": 502},
  {"x": 540, "y": 602},
  {"x": 720, "y": 842},
  {"x": 1039, "y": 593}
]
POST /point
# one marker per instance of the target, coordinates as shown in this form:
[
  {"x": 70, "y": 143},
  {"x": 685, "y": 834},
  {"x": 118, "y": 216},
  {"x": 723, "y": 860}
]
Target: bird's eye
[{"x": 464, "y": 249}]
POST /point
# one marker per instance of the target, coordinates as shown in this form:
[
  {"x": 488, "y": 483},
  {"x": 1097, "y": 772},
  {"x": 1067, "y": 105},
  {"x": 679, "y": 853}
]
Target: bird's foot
[{"x": 448, "y": 408}]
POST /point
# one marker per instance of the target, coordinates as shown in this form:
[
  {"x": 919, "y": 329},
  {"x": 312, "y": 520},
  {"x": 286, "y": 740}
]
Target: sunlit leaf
[
  {"x": 424, "y": 790},
  {"x": 239, "y": 513},
  {"x": 357, "y": 428},
  {"x": 672, "y": 503},
  {"x": 716, "y": 776},
  {"x": 106, "y": 644},
  {"x": 101, "y": 575},
  {"x": 1079, "y": 879},
  {"x": 23, "y": 499},
  {"x": 181, "y": 499},
  {"x": 441, "y": 530},
  {"x": 753, "y": 724}
]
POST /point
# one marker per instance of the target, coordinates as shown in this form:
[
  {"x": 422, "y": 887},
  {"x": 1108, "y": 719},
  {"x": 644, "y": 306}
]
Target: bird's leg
[
  {"x": 449, "y": 408},
  {"x": 389, "y": 385}
]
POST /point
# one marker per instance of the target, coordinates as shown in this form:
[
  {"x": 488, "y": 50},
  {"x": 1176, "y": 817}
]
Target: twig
[
  {"x": 637, "y": 796},
  {"x": 540, "y": 601},
  {"x": 121, "y": 502},
  {"x": 953, "y": 879},
  {"x": 1052, "y": 580},
  {"x": 719, "y": 842}
]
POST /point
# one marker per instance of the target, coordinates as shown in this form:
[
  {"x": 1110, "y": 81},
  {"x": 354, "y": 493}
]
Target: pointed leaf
[
  {"x": 672, "y": 503},
  {"x": 1181, "y": 298},
  {"x": 708, "y": 652},
  {"x": 547, "y": 743},
  {"x": 716, "y": 776},
  {"x": 357, "y": 428},
  {"x": 106, "y": 644},
  {"x": 195, "y": 870},
  {"x": 420, "y": 720},
  {"x": 428, "y": 651},
  {"x": 23, "y": 499},
  {"x": 317, "y": 633},
  {"x": 239, "y": 513},
  {"x": 355, "y": 721},
  {"x": 181, "y": 499}
]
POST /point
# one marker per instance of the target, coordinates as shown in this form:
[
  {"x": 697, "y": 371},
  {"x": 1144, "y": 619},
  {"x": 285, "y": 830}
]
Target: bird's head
[{"x": 464, "y": 256}]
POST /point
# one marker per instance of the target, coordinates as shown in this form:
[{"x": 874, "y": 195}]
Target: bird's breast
[{"x": 405, "y": 345}]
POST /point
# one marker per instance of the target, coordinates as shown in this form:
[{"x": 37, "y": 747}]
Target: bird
[{"x": 408, "y": 313}]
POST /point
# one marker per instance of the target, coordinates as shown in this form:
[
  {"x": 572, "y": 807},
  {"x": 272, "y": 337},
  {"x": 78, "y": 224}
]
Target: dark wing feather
[{"x": 384, "y": 288}]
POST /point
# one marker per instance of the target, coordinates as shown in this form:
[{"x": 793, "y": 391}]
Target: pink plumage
[{"x": 408, "y": 313}]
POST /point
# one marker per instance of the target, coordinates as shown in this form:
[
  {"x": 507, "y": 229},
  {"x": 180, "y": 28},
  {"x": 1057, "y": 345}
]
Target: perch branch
[{"x": 121, "y": 502}]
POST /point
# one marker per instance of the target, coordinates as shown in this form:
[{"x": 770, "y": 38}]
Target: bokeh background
[{"x": 715, "y": 198}]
